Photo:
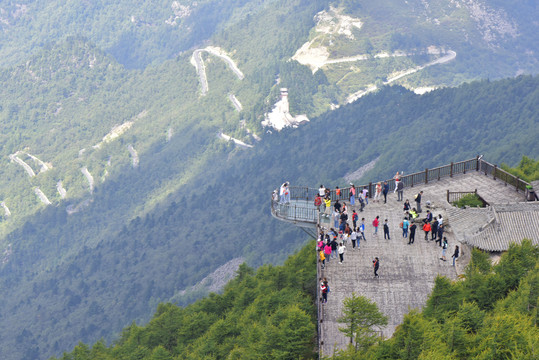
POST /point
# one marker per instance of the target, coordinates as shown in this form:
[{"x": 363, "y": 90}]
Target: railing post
[
  {"x": 370, "y": 190},
  {"x": 494, "y": 172},
  {"x": 448, "y": 195},
  {"x": 451, "y": 170},
  {"x": 426, "y": 176},
  {"x": 412, "y": 181},
  {"x": 464, "y": 171},
  {"x": 516, "y": 183},
  {"x": 438, "y": 174},
  {"x": 477, "y": 163}
]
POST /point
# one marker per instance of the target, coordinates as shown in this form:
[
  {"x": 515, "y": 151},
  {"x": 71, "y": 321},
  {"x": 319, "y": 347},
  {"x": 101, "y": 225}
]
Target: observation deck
[{"x": 407, "y": 272}]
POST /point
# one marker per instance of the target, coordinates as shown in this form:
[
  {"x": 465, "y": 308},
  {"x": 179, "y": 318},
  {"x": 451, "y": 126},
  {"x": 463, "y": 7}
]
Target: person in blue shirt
[
  {"x": 405, "y": 225},
  {"x": 385, "y": 190}
]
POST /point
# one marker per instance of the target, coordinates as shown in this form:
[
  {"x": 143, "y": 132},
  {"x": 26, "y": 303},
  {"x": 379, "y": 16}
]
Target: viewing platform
[{"x": 407, "y": 272}]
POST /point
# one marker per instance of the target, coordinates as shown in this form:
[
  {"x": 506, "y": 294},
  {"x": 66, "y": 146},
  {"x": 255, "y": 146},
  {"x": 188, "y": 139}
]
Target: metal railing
[
  {"x": 453, "y": 196},
  {"x": 422, "y": 177},
  {"x": 294, "y": 211},
  {"x": 507, "y": 178}
]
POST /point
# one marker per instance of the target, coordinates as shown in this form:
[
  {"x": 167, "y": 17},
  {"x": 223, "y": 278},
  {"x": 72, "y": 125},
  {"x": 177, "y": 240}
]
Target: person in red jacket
[
  {"x": 317, "y": 201},
  {"x": 426, "y": 229},
  {"x": 375, "y": 223}
]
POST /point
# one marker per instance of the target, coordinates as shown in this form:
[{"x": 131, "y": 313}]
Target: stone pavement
[{"x": 407, "y": 272}]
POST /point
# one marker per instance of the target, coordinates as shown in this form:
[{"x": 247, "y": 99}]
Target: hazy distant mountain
[{"x": 118, "y": 186}]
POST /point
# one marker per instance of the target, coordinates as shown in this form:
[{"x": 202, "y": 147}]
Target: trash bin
[{"x": 530, "y": 195}]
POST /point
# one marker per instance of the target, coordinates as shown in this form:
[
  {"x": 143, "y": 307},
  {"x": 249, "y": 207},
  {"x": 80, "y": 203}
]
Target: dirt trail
[
  {"x": 442, "y": 60},
  {"x": 42, "y": 196},
  {"x": 134, "y": 155},
  {"x": 6, "y": 210},
  {"x": 235, "y": 102},
  {"x": 89, "y": 177},
  {"x": 61, "y": 190},
  {"x": 236, "y": 141}
]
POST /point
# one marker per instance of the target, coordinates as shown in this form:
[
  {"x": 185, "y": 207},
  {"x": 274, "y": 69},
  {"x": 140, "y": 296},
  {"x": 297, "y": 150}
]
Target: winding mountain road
[
  {"x": 451, "y": 55},
  {"x": 198, "y": 63}
]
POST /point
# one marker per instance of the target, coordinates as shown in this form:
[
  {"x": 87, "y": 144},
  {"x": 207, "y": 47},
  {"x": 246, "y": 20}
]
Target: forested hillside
[
  {"x": 117, "y": 190},
  {"x": 267, "y": 314},
  {"x": 491, "y": 314},
  {"x": 102, "y": 285}
]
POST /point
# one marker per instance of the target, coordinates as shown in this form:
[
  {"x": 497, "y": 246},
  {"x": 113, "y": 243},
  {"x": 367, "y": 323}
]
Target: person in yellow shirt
[{"x": 327, "y": 202}]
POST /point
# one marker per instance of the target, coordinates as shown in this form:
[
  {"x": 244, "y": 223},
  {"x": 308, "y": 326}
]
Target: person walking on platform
[
  {"x": 324, "y": 289},
  {"x": 362, "y": 230},
  {"x": 444, "y": 248},
  {"x": 405, "y": 226},
  {"x": 341, "y": 250},
  {"x": 337, "y": 206},
  {"x": 327, "y": 203},
  {"x": 334, "y": 246},
  {"x": 411, "y": 239},
  {"x": 322, "y": 259},
  {"x": 355, "y": 217},
  {"x": 327, "y": 251},
  {"x": 336, "y": 218},
  {"x": 378, "y": 192},
  {"x": 375, "y": 223},
  {"x": 418, "y": 201},
  {"x": 386, "y": 230},
  {"x": 385, "y": 190},
  {"x": 456, "y": 254},
  {"x": 353, "y": 238},
  {"x": 365, "y": 195},
  {"x": 440, "y": 233},
  {"x": 352, "y": 194},
  {"x": 400, "y": 190},
  {"x": 426, "y": 229},
  {"x": 434, "y": 229},
  {"x": 376, "y": 266},
  {"x": 317, "y": 201}
]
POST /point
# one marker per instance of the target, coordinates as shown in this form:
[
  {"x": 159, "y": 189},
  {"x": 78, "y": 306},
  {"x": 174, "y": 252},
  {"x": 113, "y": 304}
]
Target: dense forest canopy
[{"x": 490, "y": 314}]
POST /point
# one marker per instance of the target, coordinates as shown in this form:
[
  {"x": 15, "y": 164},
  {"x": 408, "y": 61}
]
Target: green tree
[
  {"x": 361, "y": 316},
  {"x": 527, "y": 169}
]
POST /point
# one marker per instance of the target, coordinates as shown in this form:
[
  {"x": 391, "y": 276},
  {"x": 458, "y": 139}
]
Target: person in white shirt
[
  {"x": 341, "y": 249},
  {"x": 353, "y": 237}
]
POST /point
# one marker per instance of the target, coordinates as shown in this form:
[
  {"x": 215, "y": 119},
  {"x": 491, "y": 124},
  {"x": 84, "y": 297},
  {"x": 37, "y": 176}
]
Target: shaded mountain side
[
  {"x": 122, "y": 268},
  {"x": 270, "y": 314}
]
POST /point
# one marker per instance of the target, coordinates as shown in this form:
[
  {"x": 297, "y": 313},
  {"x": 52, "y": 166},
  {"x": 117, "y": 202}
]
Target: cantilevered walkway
[{"x": 407, "y": 272}]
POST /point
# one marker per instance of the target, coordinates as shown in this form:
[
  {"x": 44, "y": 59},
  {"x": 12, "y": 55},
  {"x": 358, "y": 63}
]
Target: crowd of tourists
[{"x": 348, "y": 231}]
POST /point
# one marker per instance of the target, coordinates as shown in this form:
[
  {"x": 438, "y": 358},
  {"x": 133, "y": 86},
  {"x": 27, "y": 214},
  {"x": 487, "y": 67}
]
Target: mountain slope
[
  {"x": 131, "y": 267},
  {"x": 139, "y": 184}
]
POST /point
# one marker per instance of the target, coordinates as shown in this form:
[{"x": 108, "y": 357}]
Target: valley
[{"x": 137, "y": 168}]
